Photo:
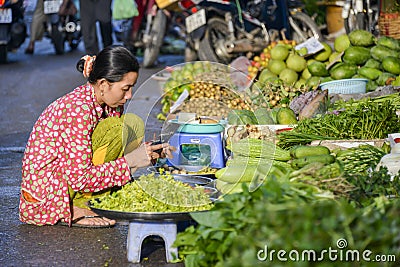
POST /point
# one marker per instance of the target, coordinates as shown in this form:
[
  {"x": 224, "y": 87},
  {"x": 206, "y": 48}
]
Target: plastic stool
[{"x": 139, "y": 230}]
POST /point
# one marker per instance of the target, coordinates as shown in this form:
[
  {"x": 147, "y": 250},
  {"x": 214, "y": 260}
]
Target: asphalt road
[{"x": 28, "y": 84}]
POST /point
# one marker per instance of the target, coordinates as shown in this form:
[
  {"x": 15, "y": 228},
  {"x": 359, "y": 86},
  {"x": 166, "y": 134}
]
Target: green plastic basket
[{"x": 346, "y": 86}]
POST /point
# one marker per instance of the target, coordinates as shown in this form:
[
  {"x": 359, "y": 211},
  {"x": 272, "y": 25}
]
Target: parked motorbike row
[
  {"x": 62, "y": 25},
  {"x": 12, "y": 27},
  {"x": 218, "y": 30},
  {"x": 223, "y": 30}
]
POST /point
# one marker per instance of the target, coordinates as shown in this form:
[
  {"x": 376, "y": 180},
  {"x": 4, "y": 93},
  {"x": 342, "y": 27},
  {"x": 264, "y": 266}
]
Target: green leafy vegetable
[{"x": 152, "y": 193}]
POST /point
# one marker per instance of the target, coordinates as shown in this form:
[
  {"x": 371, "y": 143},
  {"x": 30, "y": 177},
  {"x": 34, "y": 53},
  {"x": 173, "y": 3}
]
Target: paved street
[{"x": 28, "y": 84}]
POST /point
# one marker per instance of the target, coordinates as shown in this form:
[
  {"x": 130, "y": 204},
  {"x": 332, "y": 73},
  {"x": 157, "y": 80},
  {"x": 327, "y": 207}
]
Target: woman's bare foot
[{"x": 79, "y": 214}]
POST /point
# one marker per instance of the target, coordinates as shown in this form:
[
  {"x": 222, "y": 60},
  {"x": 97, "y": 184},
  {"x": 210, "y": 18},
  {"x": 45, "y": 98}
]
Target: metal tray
[
  {"x": 192, "y": 180},
  {"x": 142, "y": 216}
]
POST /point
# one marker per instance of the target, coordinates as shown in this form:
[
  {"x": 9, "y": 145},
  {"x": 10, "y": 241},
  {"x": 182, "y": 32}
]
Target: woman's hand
[{"x": 146, "y": 153}]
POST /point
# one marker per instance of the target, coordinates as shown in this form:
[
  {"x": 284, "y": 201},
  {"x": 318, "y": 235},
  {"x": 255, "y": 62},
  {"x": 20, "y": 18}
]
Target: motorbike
[
  {"x": 13, "y": 30},
  {"x": 361, "y": 15},
  {"x": 150, "y": 36},
  {"x": 222, "y": 30},
  {"x": 62, "y": 28}
]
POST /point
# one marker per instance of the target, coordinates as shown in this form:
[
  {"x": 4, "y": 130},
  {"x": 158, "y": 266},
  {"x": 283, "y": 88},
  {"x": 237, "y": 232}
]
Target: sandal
[{"x": 75, "y": 223}]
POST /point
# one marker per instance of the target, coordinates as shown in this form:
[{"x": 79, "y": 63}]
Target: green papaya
[
  {"x": 318, "y": 68},
  {"x": 286, "y": 116},
  {"x": 391, "y": 64},
  {"x": 324, "y": 54},
  {"x": 326, "y": 79},
  {"x": 265, "y": 75},
  {"x": 373, "y": 63},
  {"x": 379, "y": 52},
  {"x": 356, "y": 55},
  {"x": 369, "y": 73},
  {"x": 313, "y": 81},
  {"x": 361, "y": 38},
  {"x": 389, "y": 42},
  {"x": 358, "y": 76},
  {"x": 344, "y": 71},
  {"x": 336, "y": 65}
]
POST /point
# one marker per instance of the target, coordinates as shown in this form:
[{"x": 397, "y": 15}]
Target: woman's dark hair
[{"x": 112, "y": 63}]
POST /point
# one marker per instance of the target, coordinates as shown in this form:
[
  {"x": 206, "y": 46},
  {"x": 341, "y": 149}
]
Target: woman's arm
[{"x": 82, "y": 175}]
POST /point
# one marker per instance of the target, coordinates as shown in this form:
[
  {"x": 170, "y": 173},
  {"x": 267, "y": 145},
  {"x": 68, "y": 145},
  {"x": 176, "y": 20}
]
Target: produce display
[
  {"x": 366, "y": 56},
  {"x": 275, "y": 183},
  {"x": 244, "y": 223},
  {"x": 212, "y": 90},
  {"x": 211, "y": 99},
  {"x": 150, "y": 193}
]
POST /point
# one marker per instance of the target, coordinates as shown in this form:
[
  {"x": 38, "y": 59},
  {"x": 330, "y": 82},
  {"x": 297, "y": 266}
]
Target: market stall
[{"x": 303, "y": 139}]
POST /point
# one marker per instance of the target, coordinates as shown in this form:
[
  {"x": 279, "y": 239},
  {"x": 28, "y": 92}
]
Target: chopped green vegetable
[{"x": 152, "y": 193}]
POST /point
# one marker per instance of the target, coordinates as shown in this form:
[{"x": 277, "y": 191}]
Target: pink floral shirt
[{"x": 59, "y": 154}]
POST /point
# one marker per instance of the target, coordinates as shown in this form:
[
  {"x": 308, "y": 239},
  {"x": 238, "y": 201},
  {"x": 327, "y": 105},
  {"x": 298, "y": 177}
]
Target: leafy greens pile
[
  {"x": 364, "y": 119},
  {"x": 283, "y": 215},
  {"x": 150, "y": 193}
]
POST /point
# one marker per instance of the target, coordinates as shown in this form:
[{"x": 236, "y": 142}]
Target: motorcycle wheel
[
  {"x": 306, "y": 25},
  {"x": 157, "y": 33},
  {"x": 58, "y": 39},
  {"x": 209, "y": 46},
  {"x": 3, "y": 54}
]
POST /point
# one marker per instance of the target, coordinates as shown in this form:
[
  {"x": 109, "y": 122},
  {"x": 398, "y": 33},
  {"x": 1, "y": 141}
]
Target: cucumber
[
  {"x": 301, "y": 162},
  {"x": 304, "y": 151},
  {"x": 239, "y": 173}
]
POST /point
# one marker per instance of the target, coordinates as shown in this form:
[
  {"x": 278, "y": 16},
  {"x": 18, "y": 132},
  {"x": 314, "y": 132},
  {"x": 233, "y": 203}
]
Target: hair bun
[{"x": 87, "y": 65}]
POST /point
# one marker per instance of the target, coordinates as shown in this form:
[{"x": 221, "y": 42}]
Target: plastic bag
[{"x": 124, "y": 9}]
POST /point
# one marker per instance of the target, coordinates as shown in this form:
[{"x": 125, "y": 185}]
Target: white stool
[{"x": 139, "y": 230}]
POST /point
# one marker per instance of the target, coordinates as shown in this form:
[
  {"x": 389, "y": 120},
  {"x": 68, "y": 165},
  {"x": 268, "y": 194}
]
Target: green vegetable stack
[
  {"x": 359, "y": 159},
  {"x": 375, "y": 59},
  {"x": 253, "y": 159},
  {"x": 364, "y": 119},
  {"x": 262, "y": 116}
]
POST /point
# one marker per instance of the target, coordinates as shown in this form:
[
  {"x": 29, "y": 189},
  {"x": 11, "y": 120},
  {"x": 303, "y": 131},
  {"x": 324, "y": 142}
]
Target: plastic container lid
[{"x": 200, "y": 128}]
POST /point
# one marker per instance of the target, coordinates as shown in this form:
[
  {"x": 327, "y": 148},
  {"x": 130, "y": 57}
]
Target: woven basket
[{"x": 389, "y": 24}]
